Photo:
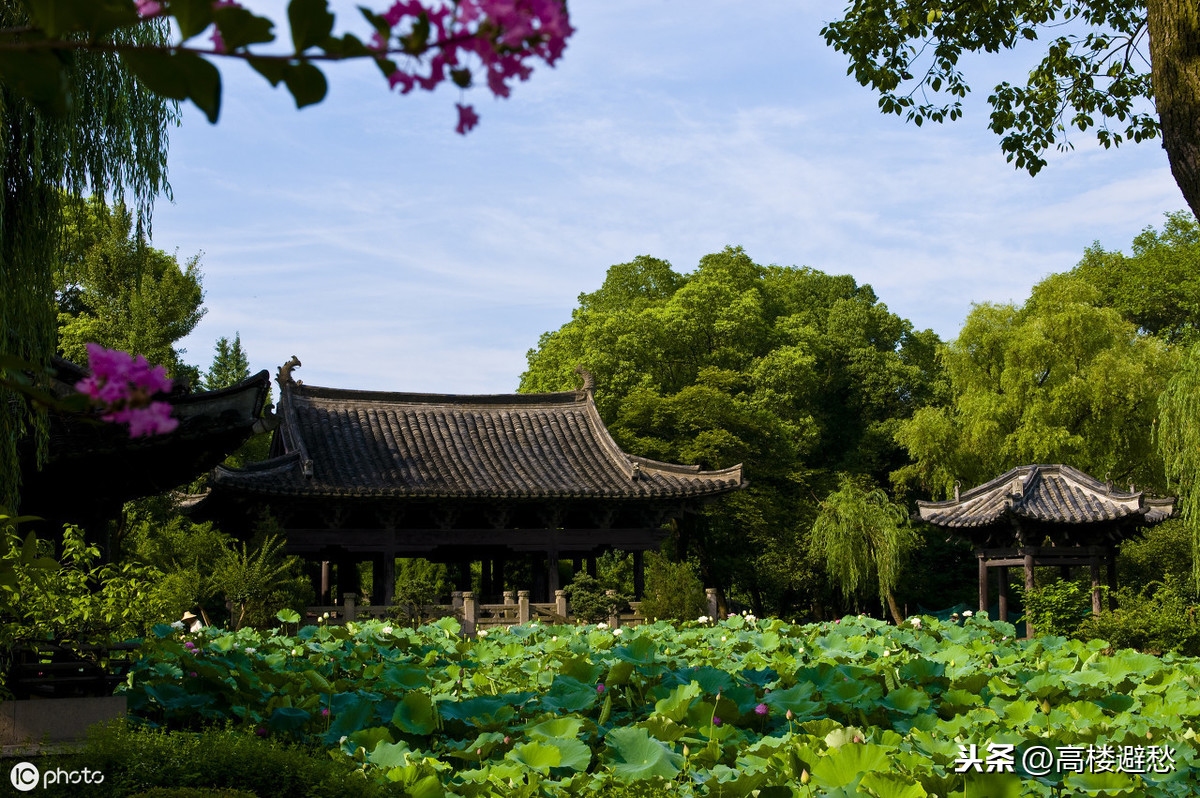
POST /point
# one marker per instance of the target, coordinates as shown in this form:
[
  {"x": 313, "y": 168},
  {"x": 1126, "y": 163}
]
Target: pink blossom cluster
[
  {"x": 124, "y": 387},
  {"x": 148, "y": 8},
  {"x": 502, "y": 34}
]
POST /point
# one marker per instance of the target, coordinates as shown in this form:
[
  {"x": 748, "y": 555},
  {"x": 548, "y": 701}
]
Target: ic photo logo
[{"x": 25, "y": 776}]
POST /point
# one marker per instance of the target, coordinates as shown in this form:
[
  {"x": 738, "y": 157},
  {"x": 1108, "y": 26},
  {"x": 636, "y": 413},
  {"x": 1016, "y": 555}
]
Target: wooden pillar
[
  {"x": 485, "y": 579},
  {"x": 389, "y": 578},
  {"x": 576, "y": 565},
  {"x": 378, "y": 580},
  {"x": 983, "y": 583},
  {"x": 325, "y": 597},
  {"x": 1029, "y": 633},
  {"x": 591, "y": 565},
  {"x": 347, "y": 575},
  {"x": 639, "y": 574},
  {"x": 1094, "y": 567},
  {"x": 498, "y": 573},
  {"x": 1064, "y": 572},
  {"x": 463, "y": 582},
  {"x": 538, "y": 569},
  {"x": 1112, "y": 578},
  {"x": 552, "y": 580},
  {"x": 1002, "y": 571}
]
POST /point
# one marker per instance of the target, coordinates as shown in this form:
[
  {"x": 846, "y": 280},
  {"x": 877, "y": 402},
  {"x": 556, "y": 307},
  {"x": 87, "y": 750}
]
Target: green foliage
[
  {"x": 1092, "y": 75},
  {"x": 795, "y": 374},
  {"x": 1061, "y": 379},
  {"x": 230, "y": 364},
  {"x": 139, "y": 760},
  {"x": 1156, "y": 618},
  {"x": 590, "y": 600},
  {"x": 116, "y": 290},
  {"x": 1158, "y": 286},
  {"x": 111, "y": 143},
  {"x": 1177, "y": 435},
  {"x": 723, "y": 709},
  {"x": 673, "y": 590},
  {"x": 865, "y": 540},
  {"x": 260, "y": 581},
  {"x": 420, "y": 584},
  {"x": 1165, "y": 552},
  {"x": 1058, "y": 608}
]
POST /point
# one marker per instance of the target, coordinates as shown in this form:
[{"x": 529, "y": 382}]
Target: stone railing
[{"x": 474, "y": 615}]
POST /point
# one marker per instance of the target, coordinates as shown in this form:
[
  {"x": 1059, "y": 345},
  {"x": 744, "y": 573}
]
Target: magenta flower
[
  {"x": 761, "y": 709},
  {"x": 717, "y": 721},
  {"x": 600, "y": 688},
  {"x": 467, "y": 119},
  {"x": 148, "y": 8},
  {"x": 123, "y": 387},
  {"x": 325, "y": 712},
  {"x": 260, "y": 731},
  {"x": 192, "y": 674},
  {"x": 189, "y": 645}
]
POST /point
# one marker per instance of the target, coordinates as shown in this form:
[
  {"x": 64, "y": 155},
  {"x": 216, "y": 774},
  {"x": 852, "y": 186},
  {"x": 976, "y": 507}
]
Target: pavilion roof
[
  {"x": 1054, "y": 495},
  {"x": 338, "y": 442}
]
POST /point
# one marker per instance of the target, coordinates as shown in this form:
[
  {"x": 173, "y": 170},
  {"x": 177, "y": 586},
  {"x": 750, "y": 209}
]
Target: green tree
[
  {"x": 1104, "y": 63},
  {"x": 864, "y": 539},
  {"x": 1158, "y": 286},
  {"x": 1177, "y": 436},
  {"x": 116, "y": 290},
  {"x": 794, "y": 373},
  {"x": 1061, "y": 379},
  {"x": 114, "y": 143},
  {"x": 230, "y": 364}
]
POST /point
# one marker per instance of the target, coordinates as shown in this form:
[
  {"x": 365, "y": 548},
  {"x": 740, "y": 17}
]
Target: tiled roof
[
  {"x": 334, "y": 442},
  {"x": 1056, "y": 494}
]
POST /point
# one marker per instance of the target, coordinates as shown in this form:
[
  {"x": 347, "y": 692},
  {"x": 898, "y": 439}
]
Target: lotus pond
[{"x": 740, "y": 707}]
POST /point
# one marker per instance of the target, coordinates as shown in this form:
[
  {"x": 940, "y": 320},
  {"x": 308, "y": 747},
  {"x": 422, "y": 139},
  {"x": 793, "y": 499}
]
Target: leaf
[
  {"x": 193, "y": 16},
  {"x": 845, "y": 765},
  {"x": 906, "y": 700},
  {"x": 537, "y": 756},
  {"x": 288, "y": 719},
  {"x": 311, "y": 23},
  {"x": 891, "y": 785},
  {"x": 556, "y": 727},
  {"x": 414, "y": 714},
  {"x": 240, "y": 27},
  {"x": 306, "y": 83},
  {"x": 350, "y": 714},
  {"x": 178, "y": 76},
  {"x": 675, "y": 706},
  {"x": 387, "y": 754},
  {"x": 639, "y": 757},
  {"x": 288, "y": 616},
  {"x": 40, "y": 77},
  {"x": 97, "y": 18}
]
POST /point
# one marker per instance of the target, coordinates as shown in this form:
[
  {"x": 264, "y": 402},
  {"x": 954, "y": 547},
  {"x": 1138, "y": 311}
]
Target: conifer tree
[{"x": 230, "y": 364}]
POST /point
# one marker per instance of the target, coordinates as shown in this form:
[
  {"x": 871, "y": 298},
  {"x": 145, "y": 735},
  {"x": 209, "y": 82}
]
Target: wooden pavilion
[
  {"x": 1045, "y": 515},
  {"x": 359, "y": 476}
]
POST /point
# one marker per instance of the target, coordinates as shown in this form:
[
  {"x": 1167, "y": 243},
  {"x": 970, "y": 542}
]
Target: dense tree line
[{"x": 827, "y": 397}]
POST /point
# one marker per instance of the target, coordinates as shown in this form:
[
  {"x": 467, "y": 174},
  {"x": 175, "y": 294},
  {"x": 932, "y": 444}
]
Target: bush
[
  {"x": 193, "y": 792},
  {"x": 673, "y": 590},
  {"x": 1156, "y": 619},
  {"x": 136, "y": 760},
  {"x": 589, "y": 601},
  {"x": 1058, "y": 608}
]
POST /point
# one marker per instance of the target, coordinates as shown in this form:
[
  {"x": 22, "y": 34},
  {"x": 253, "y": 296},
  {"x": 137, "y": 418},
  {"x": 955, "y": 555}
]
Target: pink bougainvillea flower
[
  {"x": 124, "y": 386},
  {"x": 467, "y": 119},
  {"x": 148, "y": 8}
]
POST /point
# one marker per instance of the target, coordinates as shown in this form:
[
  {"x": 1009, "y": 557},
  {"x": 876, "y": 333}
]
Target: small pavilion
[
  {"x": 359, "y": 476},
  {"x": 1045, "y": 515}
]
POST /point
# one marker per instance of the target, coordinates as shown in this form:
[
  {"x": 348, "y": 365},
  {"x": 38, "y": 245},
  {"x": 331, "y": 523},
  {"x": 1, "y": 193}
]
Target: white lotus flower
[
  {"x": 967, "y": 613},
  {"x": 617, "y": 632},
  {"x": 483, "y": 632}
]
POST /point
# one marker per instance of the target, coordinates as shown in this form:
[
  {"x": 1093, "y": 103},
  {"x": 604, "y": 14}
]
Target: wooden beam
[
  {"x": 983, "y": 585},
  {"x": 1002, "y": 589}
]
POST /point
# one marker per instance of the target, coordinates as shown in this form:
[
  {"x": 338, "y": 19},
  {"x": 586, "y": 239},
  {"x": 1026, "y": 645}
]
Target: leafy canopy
[
  {"x": 1095, "y": 72},
  {"x": 1060, "y": 379},
  {"x": 796, "y": 374}
]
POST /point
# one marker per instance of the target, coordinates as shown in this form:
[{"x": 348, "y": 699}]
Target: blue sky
[{"x": 387, "y": 252}]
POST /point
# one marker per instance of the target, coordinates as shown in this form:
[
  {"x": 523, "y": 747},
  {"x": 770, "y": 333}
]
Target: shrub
[
  {"x": 1158, "y": 618},
  {"x": 673, "y": 590},
  {"x": 589, "y": 601},
  {"x": 136, "y": 759},
  {"x": 1057, "y": 608}
]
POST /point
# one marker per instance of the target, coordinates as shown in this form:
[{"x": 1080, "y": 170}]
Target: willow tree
[
  {"x": 108, "y": 138},
  {"x": 1177, "y": 435},
  {"x": 865, "y": 540}
]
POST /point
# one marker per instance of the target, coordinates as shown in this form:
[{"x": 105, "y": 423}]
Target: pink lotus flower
[
  {"x": 600, "y": 688},
  {"x": 761, "y": 709}
]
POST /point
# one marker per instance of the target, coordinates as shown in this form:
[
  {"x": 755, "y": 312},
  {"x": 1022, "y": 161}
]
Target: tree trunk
[
  {"x": 1174, "y": 27},
  {"x": 897, "y": 618}
]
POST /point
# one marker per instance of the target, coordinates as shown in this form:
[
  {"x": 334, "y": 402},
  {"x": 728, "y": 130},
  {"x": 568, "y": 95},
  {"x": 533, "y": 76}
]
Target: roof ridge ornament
[
  {"x": 589, "y": 382},
  {"x": 284, "y": 378},
  {"x": 957, "y": 488}
]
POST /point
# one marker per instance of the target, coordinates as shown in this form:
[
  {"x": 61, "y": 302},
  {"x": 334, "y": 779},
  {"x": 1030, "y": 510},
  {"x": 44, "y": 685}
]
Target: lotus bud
[{"x": 804, "y": 777}]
